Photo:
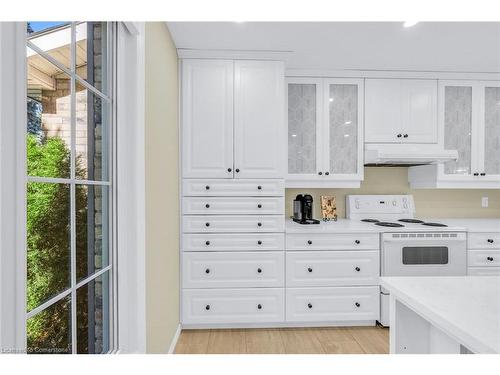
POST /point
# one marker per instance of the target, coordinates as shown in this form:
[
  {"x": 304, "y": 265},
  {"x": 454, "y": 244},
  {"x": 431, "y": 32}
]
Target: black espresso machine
[{"x": 303, "y": 209}]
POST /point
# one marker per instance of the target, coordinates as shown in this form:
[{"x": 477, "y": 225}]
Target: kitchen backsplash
[{"x": 431, "y": 203}]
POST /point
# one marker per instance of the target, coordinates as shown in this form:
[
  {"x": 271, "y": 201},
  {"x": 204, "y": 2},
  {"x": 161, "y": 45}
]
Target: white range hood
[{"x": 407, "y": 154}]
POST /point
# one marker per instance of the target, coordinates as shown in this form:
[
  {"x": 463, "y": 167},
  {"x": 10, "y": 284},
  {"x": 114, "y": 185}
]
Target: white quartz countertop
[
  {"x": 355, "y": 226},
  {"x": 466, "y": 308}
]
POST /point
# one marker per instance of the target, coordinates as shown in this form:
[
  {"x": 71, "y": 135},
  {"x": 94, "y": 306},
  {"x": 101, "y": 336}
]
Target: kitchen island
[{"x": 444, "y": 314}]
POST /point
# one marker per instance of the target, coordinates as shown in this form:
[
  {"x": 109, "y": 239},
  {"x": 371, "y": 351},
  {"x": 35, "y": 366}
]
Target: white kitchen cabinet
[
  {"x": 233, "y": 242},
  {"x": 232, "y": 187},
  {"x": 232, "y": 119},
  {"x": 233, "y": 205},
  {"x": 483, "y": 253},
  {"x": 207, "y": 118},
  {"x": 469, "y": 122},
  {"x": 259, "y": 136},
  {"x": 325, "y": 132},
  {"x": 401, "y": 111}
]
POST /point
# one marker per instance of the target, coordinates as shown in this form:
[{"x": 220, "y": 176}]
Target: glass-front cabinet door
[
  {"x": 344, "y": 128},
  {"x": 304, "y": 130},
  {"x": 489, "y": 130},
  {"x": 457, "y": 118},
  {"x": 325, "y": 132}
]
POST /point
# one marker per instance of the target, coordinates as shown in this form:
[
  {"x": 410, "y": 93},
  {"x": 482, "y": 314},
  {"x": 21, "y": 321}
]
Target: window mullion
[{"x": 73, "y": 189}]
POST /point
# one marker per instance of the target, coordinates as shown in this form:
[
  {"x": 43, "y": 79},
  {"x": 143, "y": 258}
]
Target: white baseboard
[{"x": 175, "y": 339}]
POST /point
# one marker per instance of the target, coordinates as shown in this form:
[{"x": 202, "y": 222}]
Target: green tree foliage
[{"x": 48, "y": 240}]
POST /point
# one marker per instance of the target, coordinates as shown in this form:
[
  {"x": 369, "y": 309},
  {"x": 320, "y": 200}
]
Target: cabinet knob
[
  {"x": 327, "y": 173},
  {"x": 309, "y": 305},
  {"x": 207, "y": 270},
  {"x": 483, "y": 174},
  {"x": 490, "y": 259},
  {"x": 259, "y": 242},
  {"x": 207, "y": 224},
  {"x": 309, "y": 269},
  {"x": 207, "y": 307},
  {"x": 207, "y": 243},
  {"x": 357, "y": 269},
  {"x": 259, "y": 224},
  {"x": 207, "y": 187},
  {"x": 259, "y": 306},
  {"x": 259, "y": 270},
  {"x": 476, "y": 174},
  {"x": 229, "y": 170},
  {"x": 207, "y": 205},
  {"x": 357, "y": 304},
  {"x": 320, "y": 173},
  {"x": 405, "y": 136},
  {"x": 259, "y": 187},
  {"x": 399, "y": 135},
  {"x": 309, "y": 242},
  {"x": 259, "y": 206},
  {"x": 357, "y": 242},
  {"x": 490, "y": 240},
  {"x": 237, "y": 170}
]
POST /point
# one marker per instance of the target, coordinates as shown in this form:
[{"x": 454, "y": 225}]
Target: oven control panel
[{"x": 364, "y": 206}]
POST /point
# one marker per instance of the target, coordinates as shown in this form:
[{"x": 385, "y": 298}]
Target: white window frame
[{"x": 128, "y": 190}]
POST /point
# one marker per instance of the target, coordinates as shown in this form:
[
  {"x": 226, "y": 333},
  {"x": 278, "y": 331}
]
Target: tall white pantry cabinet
[{"x": 233, "y": 168}]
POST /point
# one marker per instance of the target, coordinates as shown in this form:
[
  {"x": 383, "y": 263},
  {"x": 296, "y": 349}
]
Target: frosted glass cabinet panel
[
  {"x": 302, "y": 124},
  {"x": 458, "y": 128},
  {"x": 492, "y": 130},
  {"x": 343, "y": 128}
]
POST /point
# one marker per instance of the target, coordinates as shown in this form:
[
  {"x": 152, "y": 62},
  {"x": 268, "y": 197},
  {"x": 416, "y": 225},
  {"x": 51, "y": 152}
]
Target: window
[{"x": 69, "y": 190}]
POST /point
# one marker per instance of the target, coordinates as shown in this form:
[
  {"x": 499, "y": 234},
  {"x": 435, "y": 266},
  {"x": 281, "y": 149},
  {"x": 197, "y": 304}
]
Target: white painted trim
[
  {"x": 12, "y": 186},
  {"x": 351, "y": 73},
  {"x": 342, "y": 323},
  {"x": 131, "y": 244},
  {"x": 173, "y": 343},
  {"x": 187, "y": 53}
]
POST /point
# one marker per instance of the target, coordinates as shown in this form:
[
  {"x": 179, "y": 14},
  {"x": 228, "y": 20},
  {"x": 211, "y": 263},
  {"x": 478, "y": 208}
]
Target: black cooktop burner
[
  {"x": 370, "y": 220},
  {"x": 385, "y": 224},
  {"x": 435, "y": 224},
  {"x": 413, "y": 221}
]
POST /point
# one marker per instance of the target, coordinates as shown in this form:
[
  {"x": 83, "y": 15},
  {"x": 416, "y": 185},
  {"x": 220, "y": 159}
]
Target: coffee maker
[{"x": 303, "y": 209}]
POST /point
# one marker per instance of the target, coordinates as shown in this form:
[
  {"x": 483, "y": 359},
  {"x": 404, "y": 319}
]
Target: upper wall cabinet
[
  {"x": 401, "y": 111},
  {"x": 232, "y": 119},
  {"x": 469, "y": 118},
  {"x": 325, "y": 132},
  {"x": 207, "y": 118}
]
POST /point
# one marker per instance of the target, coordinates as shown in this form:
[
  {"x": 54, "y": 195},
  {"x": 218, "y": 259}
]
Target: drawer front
[
  {"x": 332, "y": 304},
  {"x": 340, "y": 241},
  {"x": 483, "y": 258},
  {"x": 206, "y": 306},
  {"x": 233, "y": 242},
  {"x": 233, "y": 205},
  {"x": 233, "y": 223},
  {"x": 484, "y": 240},
  {"x": 332, "y": 268},
  {"x": 237, "y": 270},
  {"x": 233, "y": 188},
  {"x": 483, "y": 271}
]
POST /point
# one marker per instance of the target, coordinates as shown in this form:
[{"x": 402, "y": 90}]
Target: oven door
[{"x": 424, "y": 254}]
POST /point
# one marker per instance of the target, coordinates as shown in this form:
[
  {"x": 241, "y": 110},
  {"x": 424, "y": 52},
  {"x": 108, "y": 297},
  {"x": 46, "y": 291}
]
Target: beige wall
[
  {"x": 432, "y": 203},
  {"x": 162, "y": 189}
]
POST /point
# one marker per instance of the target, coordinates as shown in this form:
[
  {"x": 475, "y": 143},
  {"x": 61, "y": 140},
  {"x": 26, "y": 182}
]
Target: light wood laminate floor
[{"x": 338, "y": 340}]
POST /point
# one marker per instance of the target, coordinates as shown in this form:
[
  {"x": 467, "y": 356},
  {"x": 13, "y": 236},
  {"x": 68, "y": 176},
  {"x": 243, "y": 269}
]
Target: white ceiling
[{"x": 427, "y": 46}]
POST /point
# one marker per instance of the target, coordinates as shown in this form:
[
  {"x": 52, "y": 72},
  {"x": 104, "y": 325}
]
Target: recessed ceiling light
[
  {"x": 331, "y": 99},
  {"x": 409, "y": 23},
  {"x": 348, "y": 123},
  {"x": 294, "y": 135}
]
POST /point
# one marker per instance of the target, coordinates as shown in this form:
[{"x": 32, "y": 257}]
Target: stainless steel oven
[{"x": 421, "y": 254}]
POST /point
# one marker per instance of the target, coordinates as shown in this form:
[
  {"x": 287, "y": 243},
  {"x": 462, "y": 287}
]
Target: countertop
[
  {"x": 355, "y": 226},
  {"x": 466, "y": 308}
]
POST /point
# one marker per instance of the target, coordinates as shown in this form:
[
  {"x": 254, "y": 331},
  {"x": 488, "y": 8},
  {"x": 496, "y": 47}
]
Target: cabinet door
[
  {"x": 383, "y": 118},
  {"x": 489, "y": 131},
  {"x": 305, "y": 140},
  {"x": 456, "y": 115},
  {"x": 259, "y": 139},
  {"x": 419, "y": 108},
  {"x": 207, "y": 118},
  {"x": 344, "y": 133}
]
